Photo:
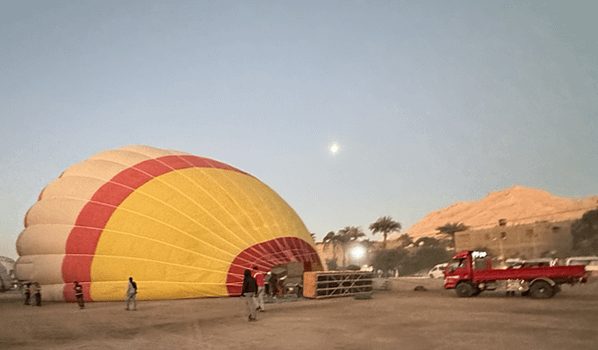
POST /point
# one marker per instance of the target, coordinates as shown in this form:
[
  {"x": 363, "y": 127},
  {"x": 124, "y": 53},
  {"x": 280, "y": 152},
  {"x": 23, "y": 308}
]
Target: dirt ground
[{"x": 396, "y": 319}]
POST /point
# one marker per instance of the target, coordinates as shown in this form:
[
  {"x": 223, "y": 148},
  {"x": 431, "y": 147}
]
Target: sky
[{"x": 430, "y": 102}]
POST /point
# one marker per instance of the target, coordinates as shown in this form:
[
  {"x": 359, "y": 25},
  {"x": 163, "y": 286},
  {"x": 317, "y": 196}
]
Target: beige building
[{"x": 526, "y": 241}]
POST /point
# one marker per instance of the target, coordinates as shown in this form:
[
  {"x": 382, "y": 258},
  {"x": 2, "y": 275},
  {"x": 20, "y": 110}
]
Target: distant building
[{"x": 532, "y": 240}]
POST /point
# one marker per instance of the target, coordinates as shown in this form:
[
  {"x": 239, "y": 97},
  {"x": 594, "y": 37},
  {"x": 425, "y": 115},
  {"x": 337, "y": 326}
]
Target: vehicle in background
[
  {"x": 470, "y": 273},
  {"x": 437, "y": 271},
  {"x": 592, "y": 268},
  {"x": 590, "y": 263},
  {"x": 7, "y": 278},
  {"x": 517, "y": 263}
]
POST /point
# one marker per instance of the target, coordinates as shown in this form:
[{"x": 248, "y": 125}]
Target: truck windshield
[{"x": 455, "y": 264}]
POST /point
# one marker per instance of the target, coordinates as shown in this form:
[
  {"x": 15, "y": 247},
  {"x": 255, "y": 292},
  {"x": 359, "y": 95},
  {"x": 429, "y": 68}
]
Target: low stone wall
[{"x": 407, "y": 283}]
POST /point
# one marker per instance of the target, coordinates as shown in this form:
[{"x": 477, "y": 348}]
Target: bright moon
[{"x": 334, "y": 148}]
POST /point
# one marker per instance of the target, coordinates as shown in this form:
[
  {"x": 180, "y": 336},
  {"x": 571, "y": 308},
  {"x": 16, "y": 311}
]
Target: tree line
[
  {"x": 409, "y": 256},
  {"x": 406, "y": 257},
  {"x": 584, "y": 234}
]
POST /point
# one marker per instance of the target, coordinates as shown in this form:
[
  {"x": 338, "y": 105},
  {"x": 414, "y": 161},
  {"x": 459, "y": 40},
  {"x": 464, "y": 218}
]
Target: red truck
[{"x": 470, "y": 273}]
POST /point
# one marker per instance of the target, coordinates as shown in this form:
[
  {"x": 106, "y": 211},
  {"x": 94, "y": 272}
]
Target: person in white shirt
[{"x": 132, "y": 293}]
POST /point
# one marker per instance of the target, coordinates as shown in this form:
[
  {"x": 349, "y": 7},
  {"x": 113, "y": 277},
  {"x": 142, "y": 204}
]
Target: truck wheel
[
  {"x": 464, "y": 290},
  {"x": 541, "y": 290}
]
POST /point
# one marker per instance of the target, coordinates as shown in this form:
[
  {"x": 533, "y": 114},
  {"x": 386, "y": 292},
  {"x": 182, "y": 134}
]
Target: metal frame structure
[{"x": 319, "y": 285}]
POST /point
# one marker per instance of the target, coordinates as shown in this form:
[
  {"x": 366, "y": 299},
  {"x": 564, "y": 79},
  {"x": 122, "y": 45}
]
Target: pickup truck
[{"x": 470, "y": 273}]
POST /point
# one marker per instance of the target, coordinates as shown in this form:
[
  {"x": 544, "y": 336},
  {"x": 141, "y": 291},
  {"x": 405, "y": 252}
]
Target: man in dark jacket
[
  {"x": 79, "y": 295},
  {"x": 27, "y": 292},
  {"x": 248, "y": 291},
  {"x": 37, "y": 294}
]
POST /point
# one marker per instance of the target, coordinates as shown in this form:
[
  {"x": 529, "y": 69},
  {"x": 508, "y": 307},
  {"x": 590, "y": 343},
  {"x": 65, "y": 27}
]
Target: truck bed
[{"x": 530, "y": 273}]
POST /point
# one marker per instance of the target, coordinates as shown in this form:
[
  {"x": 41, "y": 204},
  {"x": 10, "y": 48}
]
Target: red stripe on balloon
[
  {"x": 83, "y": 239},
  {"x": 293, "y": 250},
  {"x": 198, "y": 162}
]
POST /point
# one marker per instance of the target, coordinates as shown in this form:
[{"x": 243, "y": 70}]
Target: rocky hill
[{"x": 516, "y": 204}]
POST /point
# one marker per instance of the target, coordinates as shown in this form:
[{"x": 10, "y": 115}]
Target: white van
[
  {"x": 590, "y": 262},
  {"x": 437, "y": 271}
]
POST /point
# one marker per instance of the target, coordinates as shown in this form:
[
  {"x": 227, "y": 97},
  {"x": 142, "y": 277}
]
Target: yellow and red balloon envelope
[{"x": 182, "y": 226}]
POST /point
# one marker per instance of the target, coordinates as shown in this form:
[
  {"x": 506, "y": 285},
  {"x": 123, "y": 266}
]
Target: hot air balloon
[{"x": 182, "y": 226}]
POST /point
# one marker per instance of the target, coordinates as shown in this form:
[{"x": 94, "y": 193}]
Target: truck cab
[{"x": 462, "y": 266}]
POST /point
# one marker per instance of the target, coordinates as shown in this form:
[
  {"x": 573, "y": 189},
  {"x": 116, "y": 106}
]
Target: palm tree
[
  {"x": 367, "y": 244},
  {"x": 346, "y": 236},
  {"x": 385, "y": 225},
  {"x": 449, "y": 230},
  {"x": 332, "y": 239},
  {"x": 355, "y": 232}
]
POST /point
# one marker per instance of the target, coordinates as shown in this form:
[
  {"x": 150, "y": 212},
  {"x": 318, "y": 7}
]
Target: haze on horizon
[{"x": 430, "y": 103}]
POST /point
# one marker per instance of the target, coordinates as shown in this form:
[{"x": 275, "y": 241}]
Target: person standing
[
  {"x": 267, "y": 283},
  {"x": 247, "y": 292},
  {"x": 27, "y": 292},
  {"x": 79, "y": 294},
  {"x": 37, "y": 294},
  {"x": 259, "y": 279},
  {"x": 273, "y": 284},
  {"x": 132, "y": 293}
]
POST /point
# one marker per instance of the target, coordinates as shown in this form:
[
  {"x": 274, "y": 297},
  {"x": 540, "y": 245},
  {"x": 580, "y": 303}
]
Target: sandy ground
[{"x": 397, "y": 319}]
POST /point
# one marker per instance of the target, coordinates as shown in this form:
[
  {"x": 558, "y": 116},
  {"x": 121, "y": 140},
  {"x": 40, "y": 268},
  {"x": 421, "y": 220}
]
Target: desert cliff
[{"x": 517, "y": 204}]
